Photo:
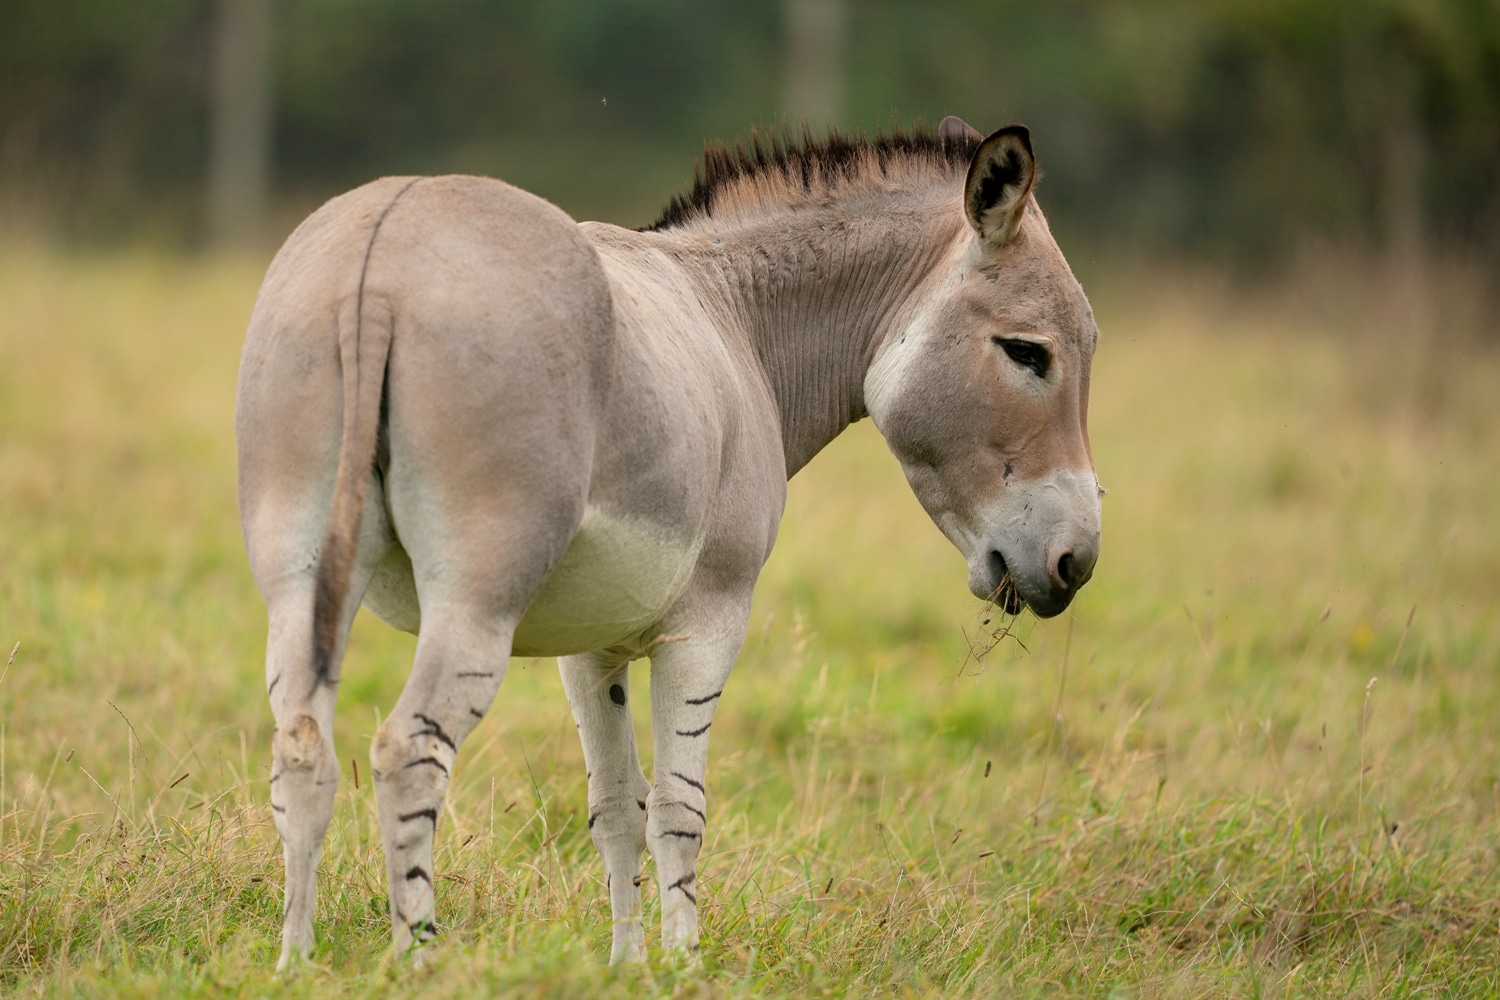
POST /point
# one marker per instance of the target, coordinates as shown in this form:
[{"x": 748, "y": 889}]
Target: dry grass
[{"x": 1188, "y": 786}]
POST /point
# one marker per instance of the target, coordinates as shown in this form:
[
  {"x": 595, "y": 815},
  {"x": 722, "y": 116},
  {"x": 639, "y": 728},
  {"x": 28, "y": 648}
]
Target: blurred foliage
[{"x": 1232, "y": 128}]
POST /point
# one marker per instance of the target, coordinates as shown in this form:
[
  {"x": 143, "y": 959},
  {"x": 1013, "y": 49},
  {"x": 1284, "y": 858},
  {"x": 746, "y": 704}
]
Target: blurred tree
[
  {"x": 1236, "y": 130},
  {"x": 101, "y": 114},
  {"x": 239, "y": 173},
  {"x": 816, "y": 38}
]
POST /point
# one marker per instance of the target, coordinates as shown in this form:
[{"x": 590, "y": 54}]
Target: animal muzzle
[
  {"x": 1035, "y": 560},
  {"x": 1046, "y": 585}
]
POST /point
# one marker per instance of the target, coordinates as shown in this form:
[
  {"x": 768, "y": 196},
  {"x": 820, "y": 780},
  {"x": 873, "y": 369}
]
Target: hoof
[{"x": 293, "y": 957}]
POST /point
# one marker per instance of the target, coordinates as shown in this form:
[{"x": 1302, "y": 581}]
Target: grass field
[{"x": 1259, "y": 757}]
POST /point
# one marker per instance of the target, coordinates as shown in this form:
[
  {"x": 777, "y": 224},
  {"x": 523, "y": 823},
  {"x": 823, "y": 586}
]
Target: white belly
[{"x": 616, "y": 579}]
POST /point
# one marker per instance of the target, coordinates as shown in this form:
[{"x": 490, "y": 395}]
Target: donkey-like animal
[{"x": 513, "y": 434}]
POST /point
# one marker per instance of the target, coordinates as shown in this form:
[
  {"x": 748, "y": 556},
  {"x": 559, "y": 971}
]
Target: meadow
[{"x": 1259, "y": 757}]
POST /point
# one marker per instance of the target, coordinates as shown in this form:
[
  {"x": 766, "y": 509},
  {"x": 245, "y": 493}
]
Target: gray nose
[{"x": 1070, "y": 566}]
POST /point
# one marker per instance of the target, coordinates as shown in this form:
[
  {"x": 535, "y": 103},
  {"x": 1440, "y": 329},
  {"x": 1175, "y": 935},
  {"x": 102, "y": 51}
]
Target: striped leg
[
  {"x": 460, "y": 662},
  {"x": 304, "y": 765},
  {"x": 687, "y": 679},
  {"x": 600, "y": 699},
  {"x": 304, "y": 769}
]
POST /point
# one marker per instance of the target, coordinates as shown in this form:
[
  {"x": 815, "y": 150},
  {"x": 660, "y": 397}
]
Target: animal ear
[
  {"x": 1001, "y": 177},
  {"x": 953, "y": 130}
]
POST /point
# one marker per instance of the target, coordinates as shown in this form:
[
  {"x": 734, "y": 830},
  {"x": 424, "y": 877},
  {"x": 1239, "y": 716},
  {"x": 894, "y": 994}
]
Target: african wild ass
[{"x": 530, "y": 436}]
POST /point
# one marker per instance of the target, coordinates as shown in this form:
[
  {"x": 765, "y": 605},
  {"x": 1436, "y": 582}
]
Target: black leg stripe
[
  {"x": 694, "y": 732},
  {"x": 435, "y": 730},
  {"x": 704, "y": 700},
  {"x": 417, "y": 872},
  {"x": 686, "y": 780},
  {"x": 429, "y": 760},
  {"x": 420, "y": 814},
  {"x": 681, "y": 885},
  {"x": 682, "y": 834}
]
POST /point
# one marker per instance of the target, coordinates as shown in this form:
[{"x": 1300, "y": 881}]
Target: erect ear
[
  {"x": 1001, "y": 177},
  {"x": 953, "y": 130}
]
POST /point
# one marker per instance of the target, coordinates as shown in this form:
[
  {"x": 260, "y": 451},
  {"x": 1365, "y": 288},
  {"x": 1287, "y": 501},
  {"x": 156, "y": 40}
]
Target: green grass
[{"x": 1259, "y": 758}]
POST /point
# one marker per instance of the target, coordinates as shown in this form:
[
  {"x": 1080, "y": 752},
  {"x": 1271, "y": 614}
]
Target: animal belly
[{"x": 615, "y": 579}]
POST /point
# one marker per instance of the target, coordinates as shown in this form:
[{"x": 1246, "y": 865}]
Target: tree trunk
[
  {"x": 240, "y": 169},
  {"x": 816, "y": 33},
  {"x": 1403, "y": 223}
]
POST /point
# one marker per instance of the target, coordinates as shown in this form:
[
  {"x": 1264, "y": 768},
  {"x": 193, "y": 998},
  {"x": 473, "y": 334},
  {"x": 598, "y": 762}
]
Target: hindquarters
[
  {"x": 498, "y": 362},
  {"x": 290, "y": 402},
  {"x": 420, "y": 378},
  {"x": 496, "y": 319}
]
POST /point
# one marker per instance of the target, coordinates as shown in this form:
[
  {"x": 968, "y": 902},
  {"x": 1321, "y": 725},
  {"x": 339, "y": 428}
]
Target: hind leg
[
  {"x": 599, "y": 696},
  {"x": 304, "y": 770},
  {"x": 477, "y": 565},
  {"x": 460, "y": 662},
  {"x": 284, "y": 504},
  {"x": 492, "y": 404},
  {"x": 304, "y": 767}
]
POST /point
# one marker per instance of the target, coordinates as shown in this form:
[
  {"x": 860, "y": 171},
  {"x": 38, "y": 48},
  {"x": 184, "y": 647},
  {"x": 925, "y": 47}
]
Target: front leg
[
  {"x": 599, "y": 695},
  {"x": 687, "y": 680}
]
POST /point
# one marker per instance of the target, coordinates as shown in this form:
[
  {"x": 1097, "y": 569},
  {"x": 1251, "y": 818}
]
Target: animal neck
[{"x": 816, "y": 290}]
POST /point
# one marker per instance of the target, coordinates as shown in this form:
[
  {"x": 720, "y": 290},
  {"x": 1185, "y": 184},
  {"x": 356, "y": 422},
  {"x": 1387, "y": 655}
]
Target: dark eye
[{"x": 1027, "y": 355}]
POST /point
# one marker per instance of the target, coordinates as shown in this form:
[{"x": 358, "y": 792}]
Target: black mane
[{"x": 834, "y": 158}]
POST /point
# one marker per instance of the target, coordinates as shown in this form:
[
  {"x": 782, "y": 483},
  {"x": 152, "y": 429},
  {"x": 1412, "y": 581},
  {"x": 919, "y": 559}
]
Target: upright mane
[{"x": 808, "y": 167}]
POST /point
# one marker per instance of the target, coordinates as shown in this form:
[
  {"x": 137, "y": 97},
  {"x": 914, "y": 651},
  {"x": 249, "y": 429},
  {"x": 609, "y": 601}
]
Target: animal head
[{"x": 982, "y": 390}]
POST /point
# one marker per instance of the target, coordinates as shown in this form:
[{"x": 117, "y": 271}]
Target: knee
[
  {"x": 670, "y": 820},
  {"x": 299, "y": 744},
  {"x": 618, "y": 817},
  {"x": 389, "y": 751},
  {"x": 398, "y": 750}
]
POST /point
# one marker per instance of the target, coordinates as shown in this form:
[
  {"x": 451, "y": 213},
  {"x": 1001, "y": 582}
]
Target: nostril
[{"x": 1066, "y": 570}]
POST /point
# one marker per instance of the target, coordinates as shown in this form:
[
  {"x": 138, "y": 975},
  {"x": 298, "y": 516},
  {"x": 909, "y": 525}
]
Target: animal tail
[{"x": 364, "y": 349}]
